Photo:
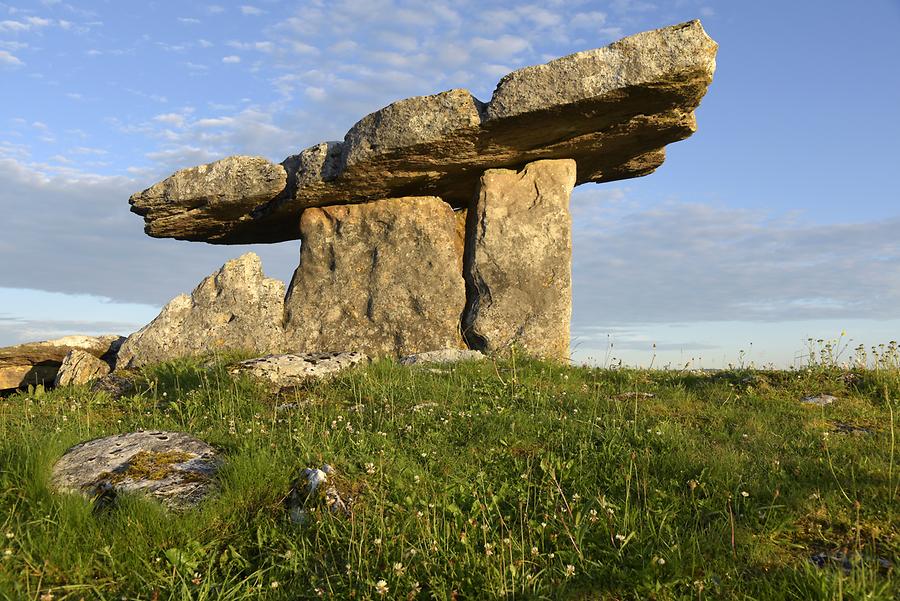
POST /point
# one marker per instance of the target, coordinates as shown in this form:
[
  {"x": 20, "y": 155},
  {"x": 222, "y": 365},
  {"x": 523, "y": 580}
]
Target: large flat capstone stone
[
  {"x": 613, "y": 110},
  {"x": 382, "y": 277},
  {"x": 235, "y": 308},
  {"x": 172, "y": 467},
  {"x": 518, "y": 263}
]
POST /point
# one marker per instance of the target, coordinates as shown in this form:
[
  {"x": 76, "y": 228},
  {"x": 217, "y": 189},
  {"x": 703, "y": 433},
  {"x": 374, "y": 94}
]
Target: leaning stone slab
[
  {"x": 236, "y": 308},
  {"x": 38, "y": 362},
  {"x": 451, "y": 355},
  {"x": 172, "y": 467},
  {"x": 382, "y": 277},
  {"x": 613, "y": 110},
  {"x": 80, "y": 367},
  {"x": 292, "y": 370},
  {"x": 518, "y": 261}
]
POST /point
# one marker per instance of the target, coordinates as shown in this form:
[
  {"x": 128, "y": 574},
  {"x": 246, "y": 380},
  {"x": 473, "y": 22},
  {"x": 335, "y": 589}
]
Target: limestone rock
[
  {"x": 38, "y": 362},
  {"x": 116, "y": 385},
  {"x": 612, "y": 110},
  {"x": 80, "y": 367},
  {"x": 236, "y": 308},
  {"x": 381, "y": 277},
  {"x": 292, "y": 370},
  {"x": 518, "y": 260},
  {"x": 172, "y": 467},
  {"x": 208, "y": 196},
  {"x": 450, "y": 355}
]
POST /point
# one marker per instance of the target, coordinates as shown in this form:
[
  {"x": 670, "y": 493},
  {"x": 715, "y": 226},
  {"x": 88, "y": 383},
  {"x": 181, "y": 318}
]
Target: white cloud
[
  {"x": 503, "y": 47},
  {"x": 188, "y": 20},
  {"x": 7, "y": 58},
  {"x": 693, "y": 262},
  {"x": 231, "y": 59},
  {"x": 251, "y": 10}
]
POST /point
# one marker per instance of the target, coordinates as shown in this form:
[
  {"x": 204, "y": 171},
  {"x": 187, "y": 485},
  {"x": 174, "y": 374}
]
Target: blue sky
[{"x": 777, "y": 221}]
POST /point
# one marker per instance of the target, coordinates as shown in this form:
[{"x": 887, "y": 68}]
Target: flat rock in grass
[
  {"x": 37, "y": 363},
  {"x": 174, "y": 468},
  {"x": 116, "y": 385},
  {"x": 80, "y": 367},
  {"x": 819, "y": 400},
  {"x": 293, "y": 369},
  {"x": 450, "y": 355}
]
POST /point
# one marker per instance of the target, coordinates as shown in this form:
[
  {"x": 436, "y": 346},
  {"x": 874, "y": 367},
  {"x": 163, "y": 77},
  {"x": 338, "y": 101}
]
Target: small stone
[
  {"x": 305, "y": 491},
  {"x": 80, "y": 367},
  {"x": 172, "y": 467},
  {"x": 451, "y": 355},
  {"x": 292, "y": 370},
  {"x": 116, "y": 384},
  {"x": 819, "y": 400}
]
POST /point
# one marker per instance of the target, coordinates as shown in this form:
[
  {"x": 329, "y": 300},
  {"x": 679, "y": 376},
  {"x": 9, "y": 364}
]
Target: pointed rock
[{"x": 236, "y": 308}]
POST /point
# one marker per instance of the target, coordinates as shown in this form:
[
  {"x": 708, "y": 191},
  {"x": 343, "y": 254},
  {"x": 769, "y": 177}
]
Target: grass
[{"x": 516, "y": 479}]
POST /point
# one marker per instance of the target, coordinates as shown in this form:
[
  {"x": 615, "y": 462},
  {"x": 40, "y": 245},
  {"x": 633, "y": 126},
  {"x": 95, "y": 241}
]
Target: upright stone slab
[
  {"x": 381, "y": 277},
  {"x": 236, "y": 308},
  {"x": 518, "y": 263}
]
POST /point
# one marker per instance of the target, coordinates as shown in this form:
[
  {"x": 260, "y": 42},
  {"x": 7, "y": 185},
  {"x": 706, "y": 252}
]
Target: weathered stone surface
[
  {"x": 172, "y": 467},
  {"x": 381, "y": 277},
  {"x": 80, "y": 367},
  {"x": 291, "y": 370},
  {"x": 37, "y": 362},
  {"x": 613, "y": 110},
  {"x": 518, "y": 260},
  {"x": 450, "y": 355},
  {"x": 208, "y": 196},
  {"x": 116, "y": 385},
  {"x": 236, "y": 308}
]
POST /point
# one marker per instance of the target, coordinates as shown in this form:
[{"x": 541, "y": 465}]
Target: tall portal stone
[
  {"x": 381, "y": 277},
  {"x": 518, "y": 262}
]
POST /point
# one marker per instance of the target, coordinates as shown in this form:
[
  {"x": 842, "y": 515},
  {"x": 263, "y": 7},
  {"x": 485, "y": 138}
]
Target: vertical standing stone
[
  {"x": 518, "y": 261},
  {"x": 381, "y": 277}
]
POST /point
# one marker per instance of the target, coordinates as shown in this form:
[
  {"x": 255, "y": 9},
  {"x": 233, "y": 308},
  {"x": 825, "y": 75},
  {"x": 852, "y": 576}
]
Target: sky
[{"x": 775, "y": 223}]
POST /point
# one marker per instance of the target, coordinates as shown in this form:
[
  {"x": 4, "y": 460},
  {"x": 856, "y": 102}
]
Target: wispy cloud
[{"x": 9, "y": 59}]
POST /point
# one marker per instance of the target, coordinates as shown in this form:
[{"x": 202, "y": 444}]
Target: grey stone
[
  {"x": 451, "y": 355},
  {"x": 236, "y": 308},
  {"x": 116, "y": 384},
  {"x": 291, "y": 370},
  {"x": 518, "y": 261},
  {"x": 382, "y": 277},
  {"x": 37, "y": 363},
  {"x": 208, "y": 196},
  {"x": 819, "y": 400},
  {"x": 172, "y": 467},
  {"x": 612, "y": 109},
  {"x": 80, "y": 367}
]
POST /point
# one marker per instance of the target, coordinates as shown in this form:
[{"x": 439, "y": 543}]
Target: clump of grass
[{"x": 510, "y": 479}]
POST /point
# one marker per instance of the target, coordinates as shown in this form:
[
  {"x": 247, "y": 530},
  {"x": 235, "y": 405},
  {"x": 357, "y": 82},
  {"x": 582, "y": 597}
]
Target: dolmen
[{"x": 439, "y": 223}]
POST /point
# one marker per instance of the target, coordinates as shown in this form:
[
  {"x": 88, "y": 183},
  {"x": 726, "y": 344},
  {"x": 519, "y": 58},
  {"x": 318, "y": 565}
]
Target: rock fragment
[
  {"x": 236, "y": 308},
  {"x": 80, "y": 367},
  {"x": 518, "y": 261}
]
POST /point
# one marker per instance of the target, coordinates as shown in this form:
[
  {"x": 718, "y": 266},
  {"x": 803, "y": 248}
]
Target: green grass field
[{"x": 514, "y": 480}]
